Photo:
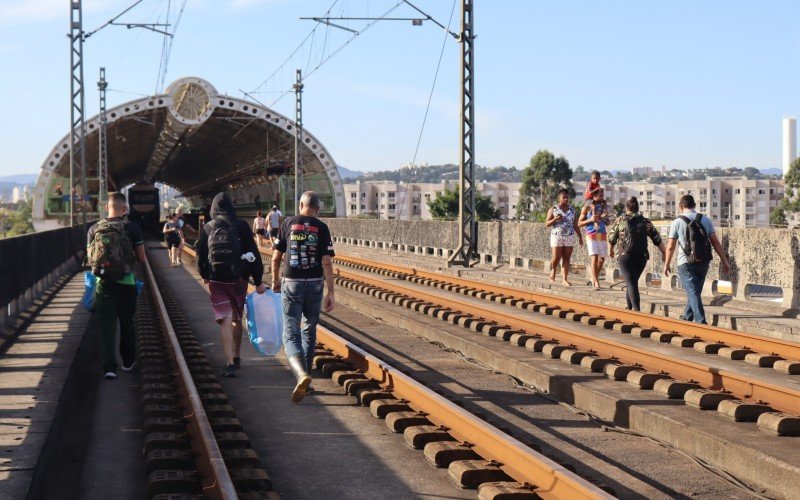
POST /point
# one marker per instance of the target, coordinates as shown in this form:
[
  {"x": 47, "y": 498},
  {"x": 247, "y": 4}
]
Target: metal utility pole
[
  {"x": 467, "y": 248},
  {"x": 102, "y": 160},
  {"x": 77, "y": 131},
  {"x": 298, "y": 139}
]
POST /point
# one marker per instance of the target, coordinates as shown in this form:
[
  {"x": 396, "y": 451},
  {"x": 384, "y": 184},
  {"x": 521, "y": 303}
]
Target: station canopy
[{"x": 200, "y": 142}]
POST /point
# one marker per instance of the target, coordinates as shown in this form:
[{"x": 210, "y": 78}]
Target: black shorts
[
  {"x": 274, "y": 232},
  {"x": 261, "y": 231},
  {"x": 173, "y": 240}
]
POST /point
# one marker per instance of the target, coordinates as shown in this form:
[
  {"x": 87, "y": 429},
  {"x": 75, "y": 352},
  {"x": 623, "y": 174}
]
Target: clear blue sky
[{"x": 610, "y": 85}]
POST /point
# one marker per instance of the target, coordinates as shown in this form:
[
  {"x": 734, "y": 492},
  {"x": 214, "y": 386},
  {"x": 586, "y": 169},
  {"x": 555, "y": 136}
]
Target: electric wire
[{"x": 424, "y": 121}]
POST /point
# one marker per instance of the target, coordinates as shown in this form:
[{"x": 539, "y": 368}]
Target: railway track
[
  {"x": 194, "y": 444},
  {"x": 741, "y": 397},
  {"x": 755, "y": 350},
  {"x": 477, "y": 454}
]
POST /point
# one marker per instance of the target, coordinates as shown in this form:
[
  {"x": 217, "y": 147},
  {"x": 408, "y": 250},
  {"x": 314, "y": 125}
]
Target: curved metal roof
[{"x": 196, "y": 140}]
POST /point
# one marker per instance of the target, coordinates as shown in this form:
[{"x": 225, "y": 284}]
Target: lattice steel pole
[
  {"x": 102, "y": 160},
  {"x": 298, "y": 139},
  {"x": 77, "y": 131},
  {"x": 467, "y": 248}
]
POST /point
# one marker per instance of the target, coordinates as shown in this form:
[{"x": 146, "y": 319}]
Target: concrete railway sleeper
[
  {"x": 194, "y": 444},
  {"x": 736, "y": 396},
  {"x": 476, "y": 454},
  {"x": 752, "y": 349}
]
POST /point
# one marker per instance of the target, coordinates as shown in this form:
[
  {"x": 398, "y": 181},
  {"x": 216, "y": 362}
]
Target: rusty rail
[
  {"x": 217, "y": 482},
  {"x": 518, "y": 461},
  {"x": 707, "y": 333},
  {"x": 781, "y": 398}
]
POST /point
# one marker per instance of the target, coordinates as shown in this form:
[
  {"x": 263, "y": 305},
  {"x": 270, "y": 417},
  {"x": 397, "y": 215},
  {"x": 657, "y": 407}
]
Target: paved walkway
[{"x": 32, "y": 375}]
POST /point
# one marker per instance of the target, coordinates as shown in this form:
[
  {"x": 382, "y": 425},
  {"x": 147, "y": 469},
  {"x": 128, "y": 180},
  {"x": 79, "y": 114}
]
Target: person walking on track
[
  {"x": 631, "y": 232},
  {"x": 594, "y": 218},
  {"x": 307, "y": 272},
  {"x": 113, "y": 247},
  {"x": 173, "y": 238},
  {"x": 226, "y": 255},
  {"x": 563, "y": 232},
  {"x": 274, "y": 216},
  {"x": 694, "y": 235},
  {"x": 260, "y": 227}
]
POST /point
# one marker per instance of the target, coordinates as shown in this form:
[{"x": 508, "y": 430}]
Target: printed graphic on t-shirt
[{"x": 303, "y": 240}]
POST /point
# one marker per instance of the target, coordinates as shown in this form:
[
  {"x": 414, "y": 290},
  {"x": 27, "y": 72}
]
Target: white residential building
[{"x": 728, "y": 201}]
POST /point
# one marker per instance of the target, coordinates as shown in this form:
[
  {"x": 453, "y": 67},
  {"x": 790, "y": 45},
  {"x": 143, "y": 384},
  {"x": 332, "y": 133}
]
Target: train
[{"x": 143, "y": 200}]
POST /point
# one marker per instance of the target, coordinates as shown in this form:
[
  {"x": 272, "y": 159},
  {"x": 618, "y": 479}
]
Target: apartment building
[
  {"x": 728, "y": 201},
  {"x": 400, "y": 200}
]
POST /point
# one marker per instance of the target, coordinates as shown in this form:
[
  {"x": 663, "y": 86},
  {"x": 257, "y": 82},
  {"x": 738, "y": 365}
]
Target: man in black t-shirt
[
  {"x": 307, "y": 271},
  {"x": 115, "y": 300}
]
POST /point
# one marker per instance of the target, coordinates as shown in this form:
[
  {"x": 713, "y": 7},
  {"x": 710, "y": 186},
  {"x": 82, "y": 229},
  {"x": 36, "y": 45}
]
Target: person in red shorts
[{"x": 226, "y": 256}]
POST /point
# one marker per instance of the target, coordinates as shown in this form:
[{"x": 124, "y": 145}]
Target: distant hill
[
  {"x": 771, "y": 171},
  {"x": 20, "y": 179},
  {"x": 438, "y": 173},
  {"x": 346, "y": 173}
]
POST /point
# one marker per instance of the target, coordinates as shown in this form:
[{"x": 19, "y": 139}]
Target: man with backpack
[
  {"x": 113, "y": 246},
  {"x": 307, "y": 273},
  {"x": 226, "y": 255},
  {"x": 631, "y": 232},
  {"x": 694, "y": 235}
]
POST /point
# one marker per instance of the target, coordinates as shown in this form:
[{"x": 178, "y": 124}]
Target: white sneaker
[
  {"x": 128, "y": 368},
  {"x": 110, "y": 375}
]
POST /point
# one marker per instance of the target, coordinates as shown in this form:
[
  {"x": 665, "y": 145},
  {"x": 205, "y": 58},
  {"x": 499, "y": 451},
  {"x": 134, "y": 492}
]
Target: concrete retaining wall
[{"x": 758, "y": 256}]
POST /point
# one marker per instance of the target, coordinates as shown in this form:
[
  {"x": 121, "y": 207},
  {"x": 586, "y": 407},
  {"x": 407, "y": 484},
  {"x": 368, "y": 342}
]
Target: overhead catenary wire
[{"x": 424, "y": 118}]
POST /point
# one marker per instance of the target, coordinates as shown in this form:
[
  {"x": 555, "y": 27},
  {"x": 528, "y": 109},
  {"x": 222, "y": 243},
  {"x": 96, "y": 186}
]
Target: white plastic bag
[{"x": 264, "y": 315}]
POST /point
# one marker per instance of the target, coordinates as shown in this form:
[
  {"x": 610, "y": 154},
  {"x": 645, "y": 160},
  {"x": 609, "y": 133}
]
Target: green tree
[
  {"x": 445, "y": 206},
  {"x": 777, "y": 217},
  {"x": 790, "y": 205},
  {"x": 541, "y": 181}
]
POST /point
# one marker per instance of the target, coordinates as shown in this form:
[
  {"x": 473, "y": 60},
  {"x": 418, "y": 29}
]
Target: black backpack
[
  {"x": 698, "y": 246},
  {"x": 224, "y": 251},
  {"x": 634, "y": 240}
]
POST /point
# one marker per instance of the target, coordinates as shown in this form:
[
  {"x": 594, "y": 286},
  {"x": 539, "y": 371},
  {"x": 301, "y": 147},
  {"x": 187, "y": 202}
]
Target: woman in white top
[
  {"x": 563, "y": 233},
  {"x": 260, "y": 226}
]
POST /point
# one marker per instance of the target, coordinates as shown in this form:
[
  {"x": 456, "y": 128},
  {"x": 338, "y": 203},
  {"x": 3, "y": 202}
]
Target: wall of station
[{"x": 768, "y": 257}]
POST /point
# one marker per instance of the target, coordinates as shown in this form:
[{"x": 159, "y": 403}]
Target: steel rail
[
  {"x": 778, "y": 397},
  {"x": 517, "y": 460},
  {"x": 217, "y": 482},
  {"x": 708, "y": 333}
]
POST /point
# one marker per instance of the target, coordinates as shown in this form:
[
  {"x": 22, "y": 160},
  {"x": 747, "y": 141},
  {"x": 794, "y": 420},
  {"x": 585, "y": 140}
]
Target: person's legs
[
  {"x": 565, "y": 261},
  {"x": 625, "y": 268},
  {"x": 686, "y": 275},
  {"x": 311, "y": 309},
  {"x": 600, "y": 261},
  {"x": 106, "y": 321},
  {"x": 226, "y": 334},
  {"x": 557, "y": 253},
  {"x": 126, "y": 309},
  {"x": 699, "y": 278},
  {"x": 593, "y": 270},
  {"x": 292, "y": 295},
  {"x": 636, "y": 272}
]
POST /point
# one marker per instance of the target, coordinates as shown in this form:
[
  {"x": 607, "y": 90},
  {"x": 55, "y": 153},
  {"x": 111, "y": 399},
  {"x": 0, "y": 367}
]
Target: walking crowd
[
  {"x": 229, "y": 257},
  {"x": 692, "y": 237}
]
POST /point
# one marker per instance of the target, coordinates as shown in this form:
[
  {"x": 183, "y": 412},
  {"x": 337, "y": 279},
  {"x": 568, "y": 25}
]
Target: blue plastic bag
[
  {"x": 90, "y": 285},
  {"x": 264, "y": 315},
  {"x": 139, "y": 286}
]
